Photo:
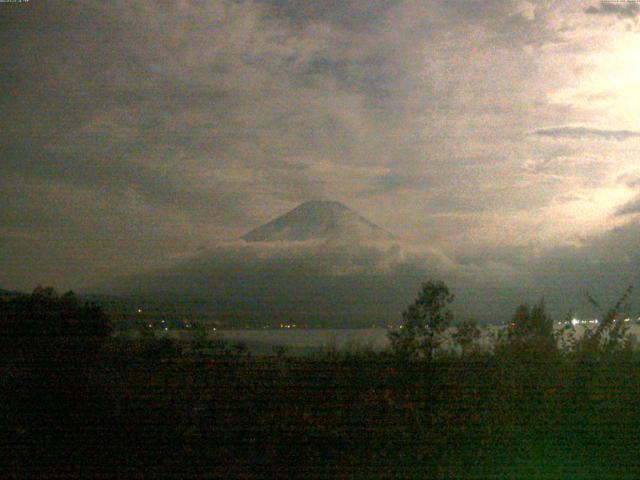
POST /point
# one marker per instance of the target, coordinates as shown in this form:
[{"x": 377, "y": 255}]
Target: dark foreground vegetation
[{"x": 76, "y": 402}]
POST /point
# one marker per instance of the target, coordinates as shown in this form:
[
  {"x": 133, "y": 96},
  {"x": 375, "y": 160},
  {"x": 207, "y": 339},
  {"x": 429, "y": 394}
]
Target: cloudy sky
[{"x": 504, "y": 134}]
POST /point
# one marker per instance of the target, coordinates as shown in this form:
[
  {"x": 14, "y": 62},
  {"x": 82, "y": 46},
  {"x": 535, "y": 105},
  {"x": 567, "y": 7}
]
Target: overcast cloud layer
[{"x": 502, "y": 134}]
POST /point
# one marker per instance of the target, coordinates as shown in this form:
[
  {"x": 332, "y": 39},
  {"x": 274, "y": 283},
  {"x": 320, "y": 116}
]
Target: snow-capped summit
[{"x": 317, "y": 220}]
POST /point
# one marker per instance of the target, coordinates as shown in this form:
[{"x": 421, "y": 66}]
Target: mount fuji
[
  {"x": 320, "y": 264},
  {"x": 319, "y": 219}
]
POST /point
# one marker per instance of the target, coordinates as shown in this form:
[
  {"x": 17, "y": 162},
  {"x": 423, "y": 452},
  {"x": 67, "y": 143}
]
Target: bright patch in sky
[{"x": 608, "y": 85}]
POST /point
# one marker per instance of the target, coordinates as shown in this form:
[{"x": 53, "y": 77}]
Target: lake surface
[
  {"x": 300, "y": 341},
  {"x": 297, "y": 341}
]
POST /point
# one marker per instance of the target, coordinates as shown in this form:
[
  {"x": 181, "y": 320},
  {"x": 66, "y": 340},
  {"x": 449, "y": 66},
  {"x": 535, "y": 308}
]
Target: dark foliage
[
  {"x": 154, "y": 408},
  {"x": 423, "y": 322},
  {"x": 531, "y": 323},
  {"x": 44, "y": 313},
  {"x": 466, "y": 335}
]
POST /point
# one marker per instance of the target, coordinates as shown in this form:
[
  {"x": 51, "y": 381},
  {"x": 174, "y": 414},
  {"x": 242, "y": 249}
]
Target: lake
[{"x": 299, "y": 341}]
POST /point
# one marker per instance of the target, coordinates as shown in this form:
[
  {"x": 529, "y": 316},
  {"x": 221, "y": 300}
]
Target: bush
[{"x": 611, "y": 333}]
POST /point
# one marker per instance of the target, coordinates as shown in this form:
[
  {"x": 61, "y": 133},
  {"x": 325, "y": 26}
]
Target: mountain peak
[
  {"x": 322, "y": 206},
  {"x": 323, "y": 202},
  {"x": 318, "y": 219}
]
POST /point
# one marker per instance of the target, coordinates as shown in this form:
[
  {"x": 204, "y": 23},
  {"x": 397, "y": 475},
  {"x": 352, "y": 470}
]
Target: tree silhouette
[
  {"x": 531, "y": 322},
  {"x": 424, "y": 322},
  {"x": 530, "y": 335},
  {"x": 45, "y": 314}
]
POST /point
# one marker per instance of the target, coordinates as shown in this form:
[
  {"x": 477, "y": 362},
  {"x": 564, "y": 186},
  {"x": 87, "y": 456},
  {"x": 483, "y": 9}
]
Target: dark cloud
[
  {"x": 603, "y": 265},
  {"x": 394, "y": 182},
  {"x": 621, "y": 9},
  {"x": 586, "y": 132},
  {"x": 630, "y": 179},
  {"x": 352, "y": 14},
  {"x": 630, "y": 208}
]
